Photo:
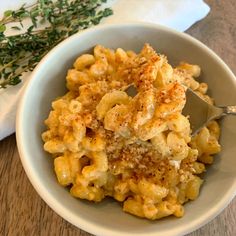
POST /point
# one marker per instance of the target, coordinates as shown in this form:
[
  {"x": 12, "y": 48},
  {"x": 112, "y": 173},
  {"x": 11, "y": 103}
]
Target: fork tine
[{"x": 196, "y": 109}]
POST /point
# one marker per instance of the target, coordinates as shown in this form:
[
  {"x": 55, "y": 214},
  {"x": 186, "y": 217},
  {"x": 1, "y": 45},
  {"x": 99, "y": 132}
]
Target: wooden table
[{"x": 23, "y": 212}]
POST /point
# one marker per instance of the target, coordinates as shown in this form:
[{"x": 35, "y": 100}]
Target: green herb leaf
[
  {"x": 107, "y": 12},
  {"x": 16, "y": 28},
  {"x": 7, "y": 13},
  {"x": 2, "y": 28},
  {"x": 15, "y": 80}
]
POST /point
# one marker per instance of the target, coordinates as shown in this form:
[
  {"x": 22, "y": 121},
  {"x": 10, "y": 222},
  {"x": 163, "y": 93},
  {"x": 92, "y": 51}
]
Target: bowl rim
[{"x": 42, "y": 190}]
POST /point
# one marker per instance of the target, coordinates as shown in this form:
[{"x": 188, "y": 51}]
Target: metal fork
[{"x": 200, "y": 112}]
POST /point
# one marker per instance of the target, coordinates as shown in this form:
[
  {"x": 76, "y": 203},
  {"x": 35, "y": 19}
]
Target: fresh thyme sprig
[{"x": 21, "y": 52}]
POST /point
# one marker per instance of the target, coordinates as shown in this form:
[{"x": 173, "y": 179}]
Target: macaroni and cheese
[{"x": 137, "y": 150}]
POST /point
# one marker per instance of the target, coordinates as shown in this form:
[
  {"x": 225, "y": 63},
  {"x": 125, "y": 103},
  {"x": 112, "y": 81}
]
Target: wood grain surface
[{"x": 23, "y": 212}]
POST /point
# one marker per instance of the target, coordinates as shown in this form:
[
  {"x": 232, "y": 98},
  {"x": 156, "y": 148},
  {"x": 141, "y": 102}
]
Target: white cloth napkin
[{"x": 177, "y": 14}]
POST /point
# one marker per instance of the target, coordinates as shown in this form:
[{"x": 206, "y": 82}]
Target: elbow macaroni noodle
[{"x": 138, "y": 150}]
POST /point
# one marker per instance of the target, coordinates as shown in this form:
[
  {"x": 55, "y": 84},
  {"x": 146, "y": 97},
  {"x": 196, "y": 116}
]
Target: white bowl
[{"x": 48, "y": 82}]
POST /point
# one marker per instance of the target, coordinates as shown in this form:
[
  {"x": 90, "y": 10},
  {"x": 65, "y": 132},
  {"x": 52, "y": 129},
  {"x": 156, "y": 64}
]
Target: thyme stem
[{"x": 21, "y": 52}]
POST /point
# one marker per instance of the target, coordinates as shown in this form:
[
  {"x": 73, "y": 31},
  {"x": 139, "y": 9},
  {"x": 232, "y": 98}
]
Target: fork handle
[{"x": 229, "y": 110}]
